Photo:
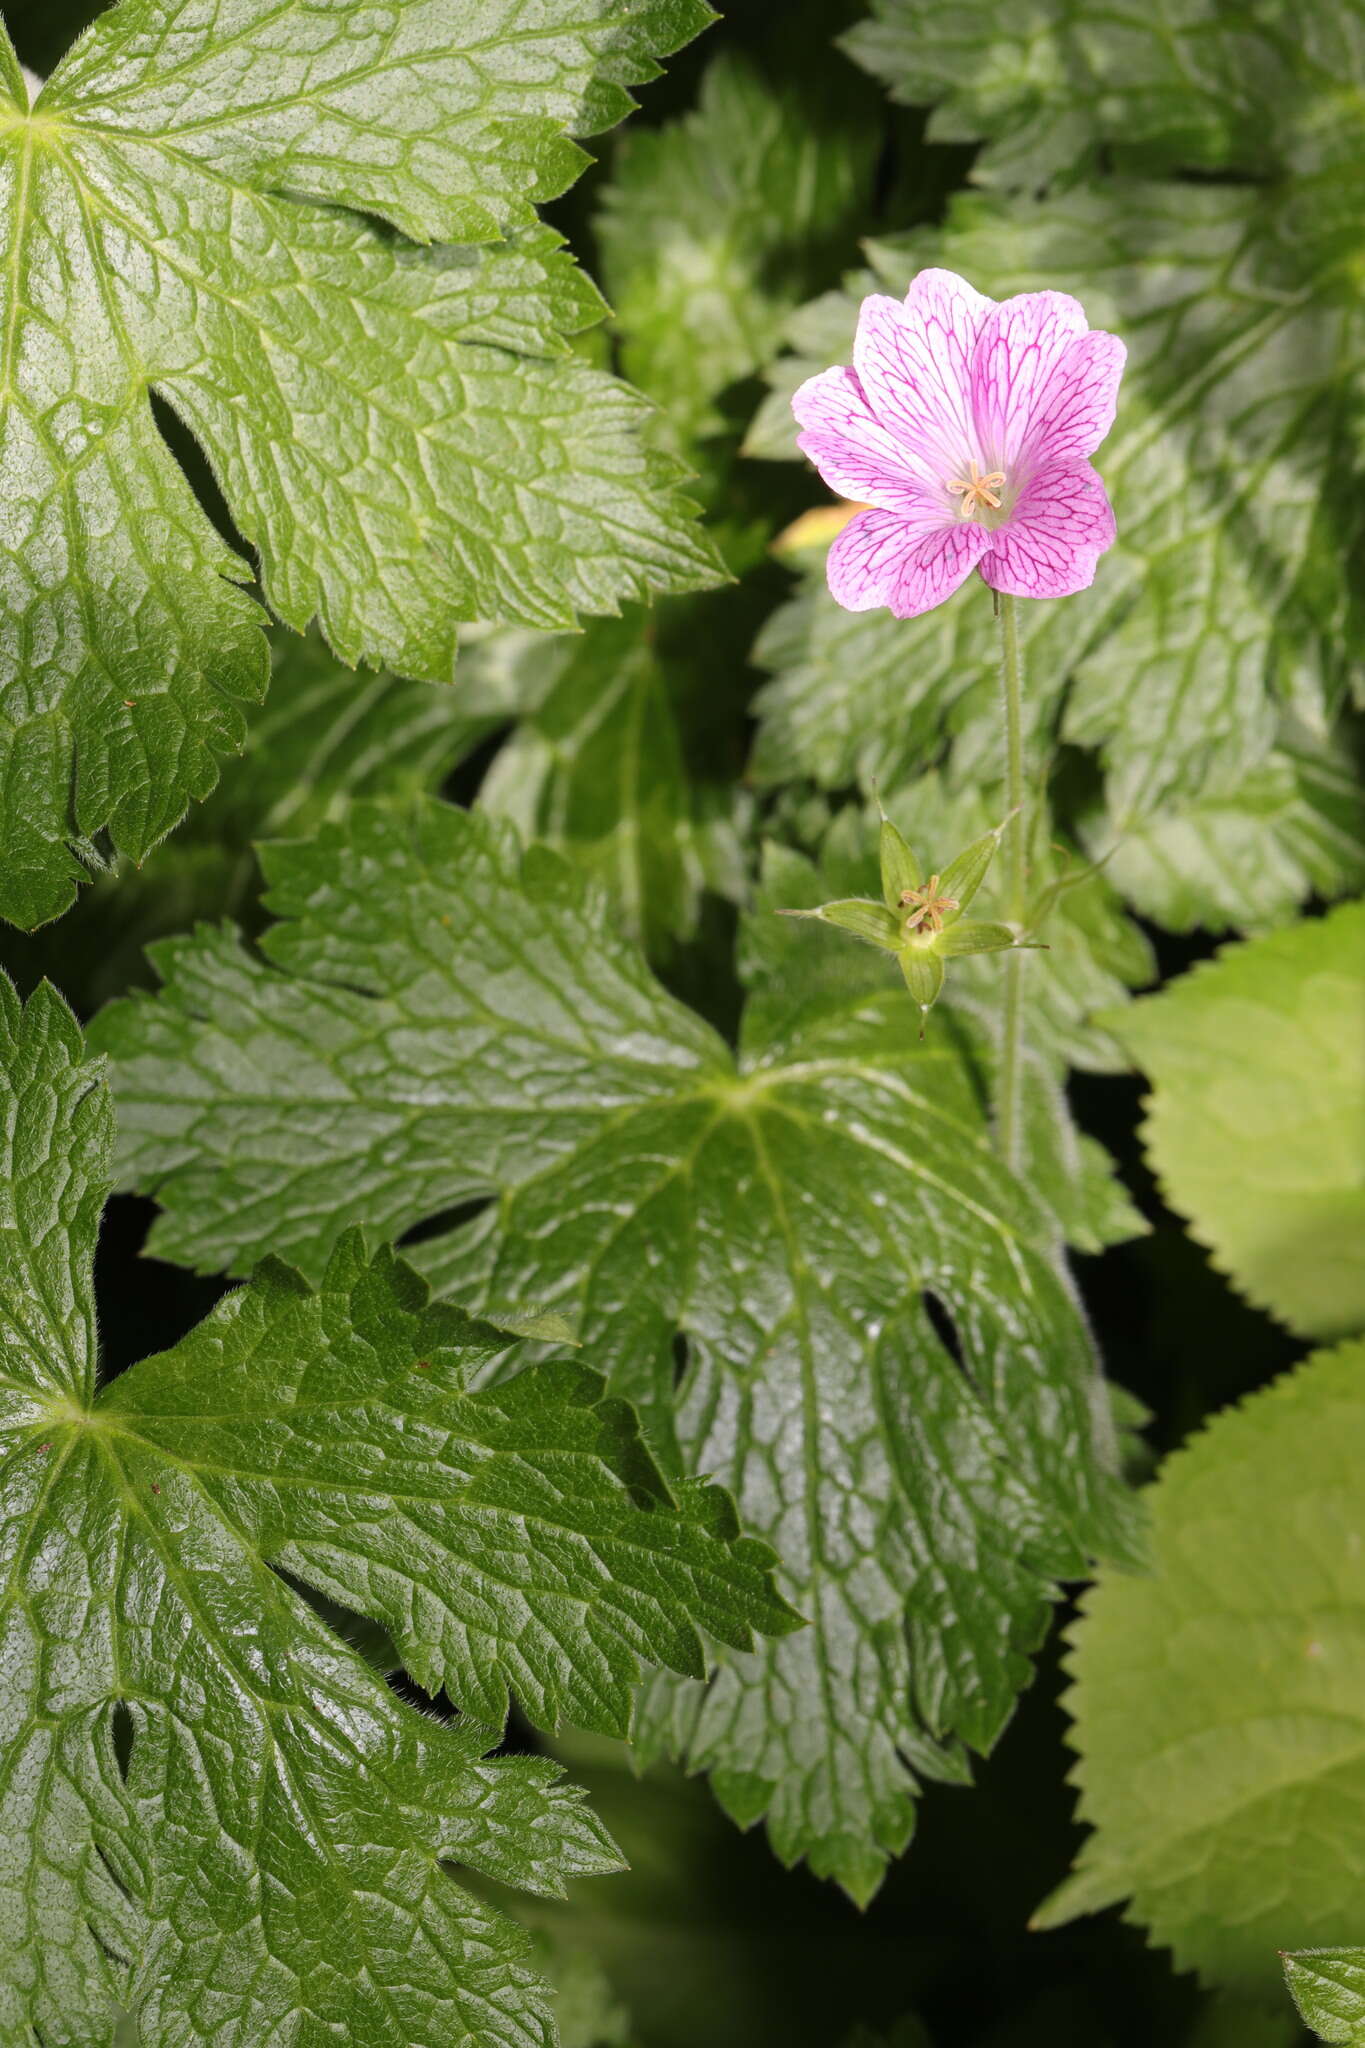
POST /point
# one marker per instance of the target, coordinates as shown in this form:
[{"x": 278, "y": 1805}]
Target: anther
[{"x": 975, "y": 488}]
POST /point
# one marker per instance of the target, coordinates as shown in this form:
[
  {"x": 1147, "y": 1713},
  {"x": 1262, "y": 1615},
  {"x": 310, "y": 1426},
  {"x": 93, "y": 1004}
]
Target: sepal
[
  {"x": 865, "y": 920},
  {"x": 973, "y": 937},
  {"x": 900, "y": 870},
  {"x": 963, "y": 877},
  {"x": 923, "y": 971}
]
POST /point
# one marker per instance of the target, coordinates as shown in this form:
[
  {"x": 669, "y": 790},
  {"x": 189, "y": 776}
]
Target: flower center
[
  {"x": 976, "y": 490},
  {"x": 926, "y": 906}
]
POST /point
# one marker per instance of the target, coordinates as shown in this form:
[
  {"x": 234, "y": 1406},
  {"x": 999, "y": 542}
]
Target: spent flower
[
  {"x": 921, "y": 921},
  {"x": 965, "y": 427}
]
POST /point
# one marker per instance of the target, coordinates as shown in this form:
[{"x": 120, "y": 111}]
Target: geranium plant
[
  {"x": 966, "y": 426},
  {"x": 682, "y": 1049}
]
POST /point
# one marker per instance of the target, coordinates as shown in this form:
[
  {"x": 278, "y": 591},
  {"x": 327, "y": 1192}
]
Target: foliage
[
  {"x": 1216, "y": 1702},
  {"x": 1254, "y": 1126},
  {"x": 599, "y": 769},
  {"x": 1063, "y": 88},
  {"x": 587, "y": 2013},
  {"x": 405, "y": 439},
  {"x": 324, "y": 737},
  {"x": 483, "y": 955},
  {"x": 520, "y": 1538},
  {"x": 713, "y": 227},
  {"x": 700, "y": 1198},
  {"x": 1329, "y": 1989}
]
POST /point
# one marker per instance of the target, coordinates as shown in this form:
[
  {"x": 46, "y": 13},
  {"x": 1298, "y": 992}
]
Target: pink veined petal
[
  {"x": 1021, "y": 344},
  {"x": 1060, "y": 526},
  {"x": 853, "y": 451},
  {"x": 1074, "y": 409},
  {"x": 914, "y": 364},
  {"x": 908, "y": 566}
]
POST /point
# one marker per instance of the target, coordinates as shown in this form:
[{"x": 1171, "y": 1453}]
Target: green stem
[{"x": 1009, "y": 1132}]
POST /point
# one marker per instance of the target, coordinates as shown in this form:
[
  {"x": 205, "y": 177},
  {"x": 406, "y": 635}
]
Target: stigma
[{"x": 976, "y": 490}]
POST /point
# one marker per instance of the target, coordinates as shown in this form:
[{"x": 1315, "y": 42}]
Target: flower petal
[
  {"x": 1060, "y": 526},
  {"x": 1021, "y": 344},
  {"x": 855, "y": 454},
  {"x": 1074, "y": 409},
  {"x": 914, "y": 363},
  {"x": 907, "y": 565}
]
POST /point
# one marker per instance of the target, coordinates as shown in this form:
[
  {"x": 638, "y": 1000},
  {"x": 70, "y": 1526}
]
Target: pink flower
[{"x": 964, "y": 425}]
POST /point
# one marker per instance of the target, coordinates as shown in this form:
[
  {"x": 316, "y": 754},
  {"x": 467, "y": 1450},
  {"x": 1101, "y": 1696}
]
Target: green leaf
[
  {"x": 747, "y": 1249},
  {"x": 587, "y": 2012},
  {"x": 213, "y": 1804},
  {"x": 1247, "y": 856},
  {"x": 1258, "y": 1103},
  {"x": 599, "y": 770},
  {"x": 324, "y": 737},
  {"x": 1328, "y": 1985},
  {"x": 715, "y": 227},
  {"x": 403, "y": 437},
  {"x": 327, "y": 736},
  {"x": 371, "y": 109},
  {"x": 543, "y": 1475},
  {"x": 1217, "y": 1704},
  {"x": 859, "y": 698},
  {"x": 1062, "y": 87}
]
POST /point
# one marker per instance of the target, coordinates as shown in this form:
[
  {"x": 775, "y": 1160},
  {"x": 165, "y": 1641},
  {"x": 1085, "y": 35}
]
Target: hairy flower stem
[{"x": 1009, "y": 1131}]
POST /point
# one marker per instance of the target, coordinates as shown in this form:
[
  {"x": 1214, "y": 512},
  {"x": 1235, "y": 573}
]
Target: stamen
[
  {"x": 931, "y": 908},
  {"x": 975, "y": 488}
]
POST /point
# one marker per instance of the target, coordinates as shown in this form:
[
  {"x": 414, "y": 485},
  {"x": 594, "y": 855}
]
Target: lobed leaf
[
  {"x": 1245, "y": 857},
  {"x": 324, "y": 737},
  {"x": 757, "y": 1254},
  {"x": 1061, "y": 88},
  {"x": 601, "y": 767},
  {"x": 219, "y": 1816},
  {"x": 403, "y": 438},
  {"x": 449, "y": 118}
]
